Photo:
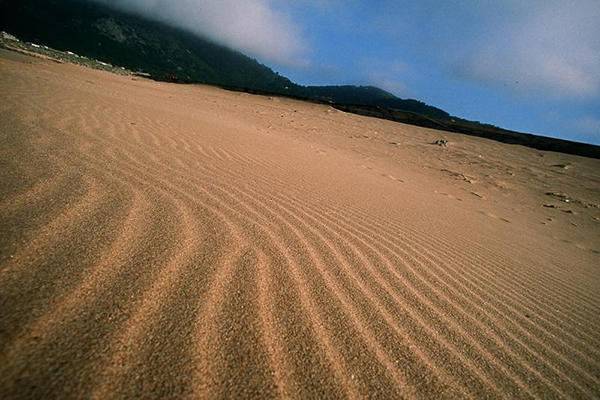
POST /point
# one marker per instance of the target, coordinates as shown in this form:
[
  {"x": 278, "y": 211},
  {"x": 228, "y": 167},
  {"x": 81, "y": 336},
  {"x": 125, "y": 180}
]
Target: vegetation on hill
[
  {"x": 96, "y": 31},
  {"x": 100, "y": 32},
  {"x": 372, "y": 96}
]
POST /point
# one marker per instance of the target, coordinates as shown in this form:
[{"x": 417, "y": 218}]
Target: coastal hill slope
[{"x": 134, "y": 42}]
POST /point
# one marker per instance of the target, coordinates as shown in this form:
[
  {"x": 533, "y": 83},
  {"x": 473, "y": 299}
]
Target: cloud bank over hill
[
  {"x": 251, "y": 26},
  {"x": 548, "y": 48}
]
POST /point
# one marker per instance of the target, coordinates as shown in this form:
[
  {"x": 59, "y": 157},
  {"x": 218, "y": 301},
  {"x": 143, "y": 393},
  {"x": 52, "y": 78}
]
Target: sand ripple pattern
[{"x": 165, "y": 252}]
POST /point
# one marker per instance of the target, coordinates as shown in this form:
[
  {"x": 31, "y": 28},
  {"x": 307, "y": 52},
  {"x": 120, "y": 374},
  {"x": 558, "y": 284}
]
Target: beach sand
[{"x": 182, "y": 241}]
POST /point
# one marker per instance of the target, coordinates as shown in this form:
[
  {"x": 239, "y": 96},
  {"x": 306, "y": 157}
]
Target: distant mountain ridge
[
  {"x": 372, "y": 96},
  {"x": 139, "y": 44}
]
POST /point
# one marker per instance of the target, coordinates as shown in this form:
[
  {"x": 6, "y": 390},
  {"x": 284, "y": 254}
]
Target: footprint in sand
[
  {"x": 392, "y": 177},
  {"x": 494, "y": 216},
  {"x": 450, "y": 196}
]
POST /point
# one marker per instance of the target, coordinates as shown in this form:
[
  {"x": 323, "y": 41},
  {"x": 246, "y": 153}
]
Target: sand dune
[{"x": 168, "y": 241}]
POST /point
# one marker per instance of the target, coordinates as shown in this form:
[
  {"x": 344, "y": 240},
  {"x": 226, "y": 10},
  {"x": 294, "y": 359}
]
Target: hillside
[
  {"x": 372, "y": 96},
  {"x": 133, "y": 42},
  {"x": 142, "y": 45}
]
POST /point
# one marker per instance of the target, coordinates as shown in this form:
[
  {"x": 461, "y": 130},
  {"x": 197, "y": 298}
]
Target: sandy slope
[{"x": 167, "y": 240}]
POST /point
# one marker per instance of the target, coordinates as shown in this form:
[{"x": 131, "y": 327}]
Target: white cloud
[
  {"x": 251, "y": 26},
  {"x": 550, "y": 48}
]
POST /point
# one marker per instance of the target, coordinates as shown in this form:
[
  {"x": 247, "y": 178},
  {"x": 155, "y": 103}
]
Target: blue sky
[{"x": 527, "y": 65}]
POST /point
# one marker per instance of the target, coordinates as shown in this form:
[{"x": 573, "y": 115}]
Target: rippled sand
[{"x": 168, "y": 241}]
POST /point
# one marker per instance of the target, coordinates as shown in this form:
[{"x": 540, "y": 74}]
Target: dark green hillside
[
  {"x": 133, "y": 42},
  {"x": 372, "y": 96}
]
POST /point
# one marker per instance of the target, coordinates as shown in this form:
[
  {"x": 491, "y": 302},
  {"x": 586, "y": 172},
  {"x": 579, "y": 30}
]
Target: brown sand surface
[{"x": 166, "y": 241}]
